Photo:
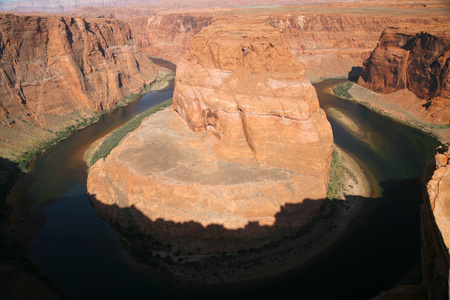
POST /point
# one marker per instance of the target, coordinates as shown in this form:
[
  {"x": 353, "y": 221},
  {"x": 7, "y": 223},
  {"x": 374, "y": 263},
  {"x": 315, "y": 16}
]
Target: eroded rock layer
[
  {"x": 435, "y": 227},
  {"x": 330, "y": 40},
  {"x": 242, "y": 161},
  {"x": 240, "y": 83},
  {"x": 406, "y": 58},
  {"x": 55, "y": 71}
]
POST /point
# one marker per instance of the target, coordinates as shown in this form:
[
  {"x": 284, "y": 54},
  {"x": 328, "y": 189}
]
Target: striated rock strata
[
  {"x": 241, "y": 161},
  {"x": 330, "y": 40},
  {"x": 417, "y": 61},
  {"x": 55, "y": 71},
  {"x": 435, "y": 227}
]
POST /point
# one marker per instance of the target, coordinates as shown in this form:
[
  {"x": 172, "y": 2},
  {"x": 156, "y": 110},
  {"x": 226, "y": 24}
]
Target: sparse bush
[{"x": 341, "y": 90}]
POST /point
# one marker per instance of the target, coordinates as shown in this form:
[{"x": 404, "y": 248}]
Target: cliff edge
[
  {"x": 406, "y": 59},
  {"x": 56, "y": 71},
  {"x": 435, "y": 227}
]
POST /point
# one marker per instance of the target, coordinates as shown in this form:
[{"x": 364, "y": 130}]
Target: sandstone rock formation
[
  {"x": 406, "y": 58},
  {"x": 242, "y": 161},
  {"x": 167, "y": 35},
  {"x": 330, "y": 40},
  {"x": 251, "y": 93},
  {"x": 55, "y": 71},
  {"x": 435, "y": 227}
]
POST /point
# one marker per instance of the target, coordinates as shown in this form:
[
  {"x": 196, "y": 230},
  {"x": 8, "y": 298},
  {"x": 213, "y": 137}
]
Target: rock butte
[
  {"x": 415, "y": 59},
  {"x": 242, "y": 160}
]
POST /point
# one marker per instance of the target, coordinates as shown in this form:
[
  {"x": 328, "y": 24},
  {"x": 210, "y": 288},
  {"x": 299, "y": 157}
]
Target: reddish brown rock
[
  {"x": 241, "y": 84},
  {"x": 167, "y": 35},
  {"x": 406, "y": 58},
  {"x": 330, "y": 40},
  {"x": 242, "y": 161},
  {"x": 54, "y": 71},
  {"x": 435, "y": 227}
]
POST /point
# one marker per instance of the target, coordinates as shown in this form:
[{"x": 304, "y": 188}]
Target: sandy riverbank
[{"x": 402, "y": 106}]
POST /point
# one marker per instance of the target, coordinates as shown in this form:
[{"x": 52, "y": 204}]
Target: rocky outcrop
[
  {"x": 241, "y": 161},
  {"x": 330, "y": 44},
  {"x": 435, "y": 227},
  {"x": 56, "y": 71},
  {"x": 167, "y": 35},
  {"x": 406, "y": 58},
  {"x": 251, "y": 93},
  {"x": 330, "y": 40}
]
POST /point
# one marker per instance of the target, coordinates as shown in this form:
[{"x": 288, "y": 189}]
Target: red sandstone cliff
[
  {"x": 329, "y": 39},
  {"x": 242, "y": 161},
  {"x": 54, "y": 71},
  {"x": 435, "y": 227},
  {"x": 251, "y": 93},
  {"x": 167, "y": 35},
  {"x": 406, "y": 58}
]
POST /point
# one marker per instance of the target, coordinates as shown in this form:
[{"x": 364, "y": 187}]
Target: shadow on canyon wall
[
  {"x": 380, "y": 250},
  {"x": 354, "y": 73}
]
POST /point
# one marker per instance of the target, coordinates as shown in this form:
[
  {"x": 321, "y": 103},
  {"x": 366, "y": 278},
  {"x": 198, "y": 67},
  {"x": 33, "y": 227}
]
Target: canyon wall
[
  {"x": 251, "y": 93},
  {"x": 167, "y": 35},
  {"x": 56, "y": 71},
  {"x": 407, "y": 58},
  {"x": 435, "y": 227},
  {"x": 330, "y": 40},
  {"x": 242, "y": 160}
]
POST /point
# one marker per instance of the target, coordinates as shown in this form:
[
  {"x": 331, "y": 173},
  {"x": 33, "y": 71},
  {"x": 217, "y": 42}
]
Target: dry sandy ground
[{"x": 402, "y": 106}]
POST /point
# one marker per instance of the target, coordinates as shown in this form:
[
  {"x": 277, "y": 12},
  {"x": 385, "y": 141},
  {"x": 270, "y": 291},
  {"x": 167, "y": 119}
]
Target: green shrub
[
  {"x": 112, "y": 140},
  {"x": 341, "y": 90}
]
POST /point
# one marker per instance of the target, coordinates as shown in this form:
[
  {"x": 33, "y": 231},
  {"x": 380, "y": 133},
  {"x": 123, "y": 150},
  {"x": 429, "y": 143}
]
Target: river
[{"x": 84, "y": 257}]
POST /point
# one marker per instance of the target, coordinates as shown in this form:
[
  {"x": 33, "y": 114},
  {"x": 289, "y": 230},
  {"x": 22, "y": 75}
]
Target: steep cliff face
[
  {"x": 54, "y": 71},
  {"x": 249, "y": 91},
  {"x": 242, "y": 161},
  {"x": 327, "y": 44},
  {"x": 330, "y": 40},
  {"x": 167, "y": 35},
  {"x": 435, "y": 227},
  {"x": 418, "y": 61}
]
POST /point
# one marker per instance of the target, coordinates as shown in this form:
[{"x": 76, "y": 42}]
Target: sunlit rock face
[
  {"x": 435, "y": 227},
  {"x": 241, "y": 160},
  {"x": 407, "y": 58},
  {"x": 55, "y": 71},
  {"x": 247, "y": 89}
]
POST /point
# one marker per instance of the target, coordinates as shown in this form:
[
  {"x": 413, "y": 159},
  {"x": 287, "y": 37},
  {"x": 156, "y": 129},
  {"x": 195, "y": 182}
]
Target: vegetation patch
[
  {"x": 338, "y": 171},
  {"x": 28, "y": 156},
  {"x": 341, "y": 90},
  {"x": 112, "y": 140}
]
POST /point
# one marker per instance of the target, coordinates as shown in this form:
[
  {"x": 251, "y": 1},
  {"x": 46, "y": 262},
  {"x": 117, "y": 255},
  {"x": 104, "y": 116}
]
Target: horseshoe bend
[{"x": 242, "y": 159}]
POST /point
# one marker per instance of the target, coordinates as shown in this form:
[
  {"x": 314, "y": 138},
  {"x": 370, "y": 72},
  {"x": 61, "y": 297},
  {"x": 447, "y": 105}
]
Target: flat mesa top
[{"x": 165, "y": 148}]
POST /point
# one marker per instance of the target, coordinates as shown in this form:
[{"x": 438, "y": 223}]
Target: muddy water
[{"x": 83, "y": 255}]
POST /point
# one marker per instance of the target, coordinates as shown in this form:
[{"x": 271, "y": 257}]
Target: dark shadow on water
[
  {"x": 380, "y": 250},
  {"x": 19, "y": 277},
  {"x": 354, "y": 73},
  {"x": 9, "y": 173}
]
